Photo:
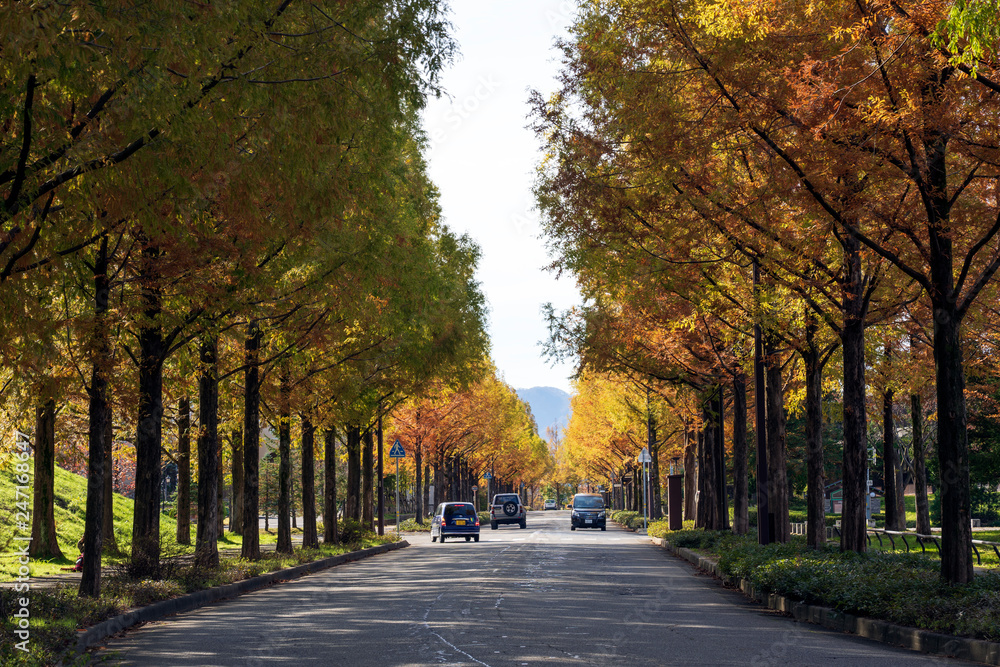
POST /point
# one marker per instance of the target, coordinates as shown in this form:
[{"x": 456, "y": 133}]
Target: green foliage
[
  {"x": 351, "y": 531},
  {"x": 661, "y": 528},
  {"x": 411, "y": 525},
  {"x": 971, "y": 32},
  {"x": 627, "y": 518}
]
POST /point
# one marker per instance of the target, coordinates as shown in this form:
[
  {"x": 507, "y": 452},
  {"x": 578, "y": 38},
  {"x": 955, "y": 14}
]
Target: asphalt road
[{"x": 543, "y": 595}]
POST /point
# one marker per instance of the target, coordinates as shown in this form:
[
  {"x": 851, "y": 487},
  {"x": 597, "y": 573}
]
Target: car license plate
[
  {"x": 590, "y": 521},
  {"x": 460, "y": 522}
]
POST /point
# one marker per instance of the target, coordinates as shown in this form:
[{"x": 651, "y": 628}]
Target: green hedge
[
  {"x": 627, "y": 518},
  {"x": 901, "y": 588},
  {"x": 985, "y": 506}
]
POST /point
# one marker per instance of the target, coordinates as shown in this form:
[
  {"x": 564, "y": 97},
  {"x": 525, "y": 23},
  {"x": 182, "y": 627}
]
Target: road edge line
[
  {"x": 902, "y": 636},
  {"x": 190, "y": 601}
]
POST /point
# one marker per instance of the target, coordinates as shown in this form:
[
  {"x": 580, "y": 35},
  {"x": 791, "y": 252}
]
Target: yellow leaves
[{"x": 735, "y": 19}]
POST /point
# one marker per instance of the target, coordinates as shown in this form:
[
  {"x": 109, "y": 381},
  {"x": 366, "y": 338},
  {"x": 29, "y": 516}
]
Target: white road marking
[{"x": 458, "y": 649}]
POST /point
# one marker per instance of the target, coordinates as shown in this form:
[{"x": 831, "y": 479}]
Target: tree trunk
[
  {"x": 920, "y": 465},
  {"x": 690, "y": 475},
  {"x": 310, "y": 538},
  {"x": 952, "y": 420},
  {"x": 251, "y": 446},
  {"x": 708, "y": 503},
  {"x": 184, "y": 471},
  {"x": 655, "y": 501},
  {"x": 367, "y": 477},
  {"x": 815, "y": 479},
  {"x": 852, "y": 337},
  {"x": 90, "y": 583},
  {"x": 380, "y": 478},
  {"x": 206, "y": 551},
  {"x": 427, "y": 490},
  {"x": 330, "y": 486},
  {"x": 284, "y": 463},
  {"x": 777, "y": 467},
  {"x": 236, "y": 502},
  {"x": 108, "y": 524},
  {"x": 765, "y": 517},
  {"x": 953, "y": 448},
  {"x": 292, "y": 511},
  {"x": 418, "y": 496},
  {"x": 352, "y": 509},
  {"x": 721, "y": 499},
  {"x": 220, "y": 486},
  {"x": 900, "y": 488},
  {"x": 438, "y": 481},
  {"x": 741, "y": 494},
  {"x": 98, "y": 413},
  {"x": 889, "y": 463},
  {"x": 146, "y": 516},
  {"x": 656, "y": 497}
]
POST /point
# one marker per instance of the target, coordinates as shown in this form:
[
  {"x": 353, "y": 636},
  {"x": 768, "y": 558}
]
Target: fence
[{"x": 833, "y": 532}]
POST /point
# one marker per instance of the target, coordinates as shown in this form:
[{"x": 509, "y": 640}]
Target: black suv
[
  {"x": 507, "y": 508},
  {"x": 588, "y": 512}
]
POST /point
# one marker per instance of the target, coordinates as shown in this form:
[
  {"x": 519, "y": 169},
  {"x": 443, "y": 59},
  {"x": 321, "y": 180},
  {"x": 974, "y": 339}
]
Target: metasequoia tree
[
  {"x": 930, "y": 174},
  {"x": 467, "y": 430},
  {"x": 802, "y": 112},
  {"x": 692, "y": 185},
  {"x": 176, "y": 142}
]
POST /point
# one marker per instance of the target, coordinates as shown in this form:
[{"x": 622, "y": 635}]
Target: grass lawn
[{"x": 70, "y": 511}]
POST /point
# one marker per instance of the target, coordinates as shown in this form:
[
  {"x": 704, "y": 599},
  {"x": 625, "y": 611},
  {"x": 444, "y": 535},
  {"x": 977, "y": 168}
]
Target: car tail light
[
  {"x": 443, "y": 523},
  {"x": 477, "y": 521}
]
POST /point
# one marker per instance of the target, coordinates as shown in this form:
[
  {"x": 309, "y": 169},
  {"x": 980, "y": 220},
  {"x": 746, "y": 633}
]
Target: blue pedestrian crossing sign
[
  {"x": 397, "y": 450},
  {"x": 488, "y": 475}
]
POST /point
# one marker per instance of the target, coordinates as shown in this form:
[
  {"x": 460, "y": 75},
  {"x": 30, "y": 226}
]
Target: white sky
[{"x": 482, "y": 158}]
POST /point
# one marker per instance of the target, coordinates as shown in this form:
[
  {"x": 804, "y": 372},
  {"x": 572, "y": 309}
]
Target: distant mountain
[{"x": 550, "y": 406}]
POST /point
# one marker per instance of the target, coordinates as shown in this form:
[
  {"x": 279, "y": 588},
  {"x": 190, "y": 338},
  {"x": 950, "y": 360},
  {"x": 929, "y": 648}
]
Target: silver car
[{"x": 507, "y": 508}]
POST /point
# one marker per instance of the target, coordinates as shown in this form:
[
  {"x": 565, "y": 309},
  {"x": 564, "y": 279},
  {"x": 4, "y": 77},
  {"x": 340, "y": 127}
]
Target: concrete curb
[
  {"x": 935, "y": 643},
  {"x": 197, "y": 599}
]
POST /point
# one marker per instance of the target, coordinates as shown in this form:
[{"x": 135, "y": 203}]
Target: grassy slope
[{"x": 70, "y": 510}]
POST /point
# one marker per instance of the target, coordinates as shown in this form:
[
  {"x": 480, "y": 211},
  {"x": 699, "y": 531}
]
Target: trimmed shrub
[
  {"x": 353, "y": 531},
  {"x": 412, "y": 526}
]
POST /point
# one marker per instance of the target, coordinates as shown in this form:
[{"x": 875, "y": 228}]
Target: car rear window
[
  {"x": 460, "y": 510},
  {"x": 500, "y": 500},
  {"x": 588, "y": 502}
]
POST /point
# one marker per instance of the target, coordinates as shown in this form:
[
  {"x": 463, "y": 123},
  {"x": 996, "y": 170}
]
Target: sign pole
[
  {"x": 397, "y": 452},
  {"x": 645, "y": 494}
]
